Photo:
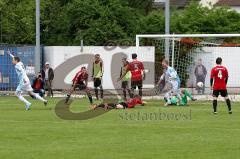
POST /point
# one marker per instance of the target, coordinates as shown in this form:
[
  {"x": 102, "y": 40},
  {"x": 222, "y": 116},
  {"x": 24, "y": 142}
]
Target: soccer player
[
  {"x": 80, "y": 81},
  {"x": 97, "y": 74},
  {"x": 130, "y": 103},
  {"x": 184, "y": 94},
  {"x": 24, "y": 83},
  {"x": 125, "y": 79},
  {"x": 137, "y": 74},
  {"x": 218, "y": 83},
  {"x": 170, "y": 76}
]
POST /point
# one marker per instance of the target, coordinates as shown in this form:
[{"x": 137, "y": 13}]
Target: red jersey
[
  {"x": 80, "y": 77},
  {"x": 219, "y": 74},
  {"x": 132, "y": 102},
  {"x": 38, "y": 85},
  {"x": 136, "y": 67}
]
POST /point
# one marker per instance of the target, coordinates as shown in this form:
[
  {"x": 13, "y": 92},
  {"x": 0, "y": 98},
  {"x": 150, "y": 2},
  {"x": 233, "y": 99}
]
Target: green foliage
[
  {"x": 96, "y": 22},
  {"x": 197, "y": 19},
  {"x": 17, "y": 21},
  {"x": 66, "y": 22}
]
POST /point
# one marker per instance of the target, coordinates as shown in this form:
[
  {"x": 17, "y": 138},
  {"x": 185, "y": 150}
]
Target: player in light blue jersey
[
  {"x": 170, "y": 76},
  {"x": 24, "y": 83}
]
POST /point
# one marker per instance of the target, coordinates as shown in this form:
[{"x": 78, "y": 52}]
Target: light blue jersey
[
  {"x": 21, "y": 72},
  {"x": 170, "y": 75},
  {"x": 22, "y": 76}
]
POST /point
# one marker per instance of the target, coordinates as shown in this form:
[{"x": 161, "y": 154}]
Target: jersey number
[
  {"x": 135, "y": 66},
  {"x": 220, "y": 74}
]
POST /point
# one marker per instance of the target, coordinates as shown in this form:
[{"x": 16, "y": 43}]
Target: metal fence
[{"x": 8, "y": 76}]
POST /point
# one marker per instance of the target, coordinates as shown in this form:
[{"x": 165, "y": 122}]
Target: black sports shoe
[
  {"x": 215, "y": 113},
  {"x": 67, "y": 99},
  {"x": 194, "y": 99},
  {"x": 229, "y": 112},
  {"x": 45, "y": 103}
]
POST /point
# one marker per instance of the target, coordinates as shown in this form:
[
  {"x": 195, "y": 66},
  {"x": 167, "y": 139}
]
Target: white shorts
[
  {"x": 175, "y": 88},
  {"x": 24, "y": 87}
]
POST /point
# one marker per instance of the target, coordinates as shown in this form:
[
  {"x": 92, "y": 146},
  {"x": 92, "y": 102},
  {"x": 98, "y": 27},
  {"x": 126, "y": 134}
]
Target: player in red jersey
[
  {"x": 137, "y": 74},
  {"x": 218, "y": 83},
  {"x": 80, "y": 81},
  {"x": 130, "y": 103}
]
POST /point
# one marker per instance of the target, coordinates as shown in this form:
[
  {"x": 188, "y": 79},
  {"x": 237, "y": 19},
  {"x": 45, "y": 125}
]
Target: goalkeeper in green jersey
[{"x": 184, "y": 94}]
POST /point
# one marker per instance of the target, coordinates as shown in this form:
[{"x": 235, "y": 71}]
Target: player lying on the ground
[
  {"x": 184, "y": 100},
  {"x": 218, "y": 83},
  {"x": 80, "y": 81},
  {"x": 130, "y": 103},
  {"x": 24, "y": 83},
  {"x": 171, "y": 77}
]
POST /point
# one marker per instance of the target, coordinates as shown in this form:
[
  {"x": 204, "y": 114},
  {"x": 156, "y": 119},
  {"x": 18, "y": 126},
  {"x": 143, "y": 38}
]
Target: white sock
[
  {"x": 39, "y": 97},
  {"x": 21, "y": 98}
]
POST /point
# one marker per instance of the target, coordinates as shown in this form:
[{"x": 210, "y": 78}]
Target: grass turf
[{"x": 180, "y": 132}]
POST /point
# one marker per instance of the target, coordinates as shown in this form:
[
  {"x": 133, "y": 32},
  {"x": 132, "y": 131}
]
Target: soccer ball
[{"x": 200, "y": 84}]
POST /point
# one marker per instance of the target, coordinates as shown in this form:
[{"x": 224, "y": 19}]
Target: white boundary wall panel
[{"x": 57, "y": 55}]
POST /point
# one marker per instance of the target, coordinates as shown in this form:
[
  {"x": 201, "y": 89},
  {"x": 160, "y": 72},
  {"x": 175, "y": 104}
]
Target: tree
[
  {"x": 198, "y": 19},
  {"x": 146, "y": 5},
  {"x": 17, "y": 19},
  {"x": 66, "y": 22},
  {"x": 96, "y": 22}
]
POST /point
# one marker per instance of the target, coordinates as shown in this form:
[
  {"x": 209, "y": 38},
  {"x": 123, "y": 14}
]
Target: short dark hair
[
  {"x": 16, "y": 58},
  {"x": 134, "y": 56},
  {"x": 124, "y": 58},
  {"x": 165, "y": 61},
  {"x": 219, "y": 60}
]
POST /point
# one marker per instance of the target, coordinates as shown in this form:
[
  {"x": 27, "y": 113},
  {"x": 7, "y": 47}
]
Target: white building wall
[
  {"x": 231, "y": 60},
  {"x": 236, "y": 8},
  {"x": 208, "y": 3},
  {"x": 58, "y": 55}
]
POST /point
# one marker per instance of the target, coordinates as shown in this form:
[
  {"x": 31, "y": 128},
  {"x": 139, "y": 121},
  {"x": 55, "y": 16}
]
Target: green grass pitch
[{"x": 183, "y": 133}]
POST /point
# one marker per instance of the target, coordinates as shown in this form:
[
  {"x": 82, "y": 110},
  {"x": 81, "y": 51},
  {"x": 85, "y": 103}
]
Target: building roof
[{"x": 228, "y": 2}]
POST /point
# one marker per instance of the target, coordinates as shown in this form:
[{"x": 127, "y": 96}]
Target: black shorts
[
  {"x": 81, "y": 86},
  {"x": 124, "y": 84},
  {"x": 135, "y": 84},
  {"x": 124, "y": 104},
  {"x": 97, "y": 82},
  {"x": 110, "y": 105},
  {"x": 223, "y": 93}
]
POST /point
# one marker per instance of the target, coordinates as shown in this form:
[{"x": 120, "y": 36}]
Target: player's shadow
[{"x": 63, "y": 111}]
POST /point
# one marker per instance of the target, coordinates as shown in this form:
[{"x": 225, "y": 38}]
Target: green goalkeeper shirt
[
  {"x": 186, "y": 94},
  {"x": 184, "y": 100}
]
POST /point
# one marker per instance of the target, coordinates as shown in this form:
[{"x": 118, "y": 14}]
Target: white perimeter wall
[
  {"x": 231, "y": 59},
  {"x": 57, "y": 55}
]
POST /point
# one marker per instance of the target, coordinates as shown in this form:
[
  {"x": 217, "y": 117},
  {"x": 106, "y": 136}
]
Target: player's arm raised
[{"x": 9, "y": 53}]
